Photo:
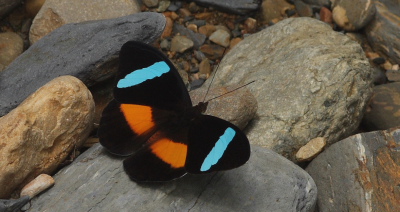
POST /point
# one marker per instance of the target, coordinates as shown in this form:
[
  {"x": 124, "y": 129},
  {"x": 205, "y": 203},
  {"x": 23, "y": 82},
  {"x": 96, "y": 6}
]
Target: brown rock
[
  {"x": 11, "y": 46},
  {"x": 274, "y": 9},
  {"x": 383, "y": 111},
  {"x": 40, "y": 133},
  {"x": 168, "y": 28},
  {"x": 207, "y": 29},
  {"x": 220, "y": 37},
  {"x": 204, "y": 69},
  {"x": 55, "y": 13},
  {"x": 39, "y": 184},
  {"x": 311, "y": 149},
  {"x": 32, "y": 7},
  {"x": 212, "y": 51},
  {"x": 303, "y": 9},
  {"x": 250, "y": 25},
  {"x": 181, "y": 43},
  {"x": 326, "y": 15},
  {"x": 234, "y": 41}
]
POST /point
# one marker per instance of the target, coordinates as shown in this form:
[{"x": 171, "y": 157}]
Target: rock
[
  {"x": 393, "y": 75},
  {"x": 11, "y": 46},
  {"x": 310, "y": 81},
  {"x": 6, "y": 6},
  {"x": 383, "y": 111},
  {"x": 197, "y": 38},
  {"x": 40, "y": 133},
  {"x": 150, "y": 3},
  {"x": 39, "y": 184},
  {"x": 326, "y": 15},
  {"x": 359, "y": 173},
  {"x": 237, "y": 107},
  {"x": 325, "y": 3},
  {"x": 75, "y": 49},
  {"x": 55, "y": 13},
  {"x": 95, "y": 181},
  {"x": 207, "y": 29},
  {"x": 168, "y": 28},
  {"x": 205, "y": 68},
  {"x": 163, "y": 5},
  {"x": 220, "y": 37},
  {"x": 13, "y": 204},
  {"x": 212, "y": 51},
  {"x": 32, "y": 7},
  {"x": 303, "y": 9},
  {"x": 274, "y": 9},
  {"x": 311, "y": 149},
  {"x": 384, "y": 31},
  {"x": 250, "y": 25},
  {"x": 181, "y": 43},
  {"x": 352, "y": 15},
  {"x": 240, "y": 7}
]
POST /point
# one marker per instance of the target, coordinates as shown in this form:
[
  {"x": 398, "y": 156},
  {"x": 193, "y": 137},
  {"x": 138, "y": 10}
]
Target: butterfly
[{"x": 152, "y": 120}]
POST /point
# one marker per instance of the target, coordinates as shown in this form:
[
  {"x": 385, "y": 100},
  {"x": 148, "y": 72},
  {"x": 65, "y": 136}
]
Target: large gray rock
[
  {"x": 95, "y": 181},
  {"x": 310, "y": 81},
  {"x": 88, "y": 51},
  {"x": 359, "y": 173}
]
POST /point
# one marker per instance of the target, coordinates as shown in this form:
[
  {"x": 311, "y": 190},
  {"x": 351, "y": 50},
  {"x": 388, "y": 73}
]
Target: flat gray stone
[
  {"x": 95, "y": 181},
  {"x": 310, "y": 81},
  {"x": 88, "y": 51}
]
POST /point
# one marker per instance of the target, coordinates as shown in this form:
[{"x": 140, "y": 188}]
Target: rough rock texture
[
  {"x": 97, "y": 182},
  {"x": 383, "y": 110},
  {"x": 237, "y": 107},
  {"x": 11, "y": 46},
  {"x": 55, "y": 13},
  {"x": 309, "y": 82},
  {"x": 352, "y": 15},
  {"x": 7, "y": 6},
  {"x": 359, "y": 173},
  {"x": 39, "y": 134},
  {"x": 384, "y": 31},
  {"x": 241, "y": 7},
  {"x": 87, "y": 50}
]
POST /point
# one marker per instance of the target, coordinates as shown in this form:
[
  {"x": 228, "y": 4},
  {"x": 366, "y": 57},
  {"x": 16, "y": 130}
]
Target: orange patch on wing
[
  {"x": 170, "y": 152},
  {"x": 139, "y": 117}
]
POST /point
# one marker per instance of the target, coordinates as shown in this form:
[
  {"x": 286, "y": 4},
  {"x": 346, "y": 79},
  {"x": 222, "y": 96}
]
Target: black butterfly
[{"x": 152, "y": 119}]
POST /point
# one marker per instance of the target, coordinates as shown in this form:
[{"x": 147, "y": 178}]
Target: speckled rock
[
  {"x": 321, "y": 92},
  {"x": 40, "y": 133},
  {"x": 55, "y": 13}
]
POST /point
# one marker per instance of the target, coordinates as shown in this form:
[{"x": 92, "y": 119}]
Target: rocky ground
[{"x": 325, "y": 96}]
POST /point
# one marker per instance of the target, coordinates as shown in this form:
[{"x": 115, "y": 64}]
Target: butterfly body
[{"x": 152, "y": 120}]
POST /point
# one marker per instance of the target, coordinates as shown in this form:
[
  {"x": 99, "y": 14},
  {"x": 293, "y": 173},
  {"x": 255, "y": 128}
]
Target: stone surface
[
  {"x": 39, "y": 184},
  {"x": 352, "y": 15},
  {"x": 13, "y": 204},
  {"x": 181, "y": 43},
  {"x": 96, "y": 181},
  {"x": 241, "y": 7},
  {"x": 220, "y": 37},
  {"x": 326, "y": 3},
  {"x": 237, "y": 107},
  {"x": 310, "y": 81},
  {"x": 6, "y": 6},
  {"x": 311, "y": 149},
  {"x": 32, "y": 7},
  {"x": 197, "y": 38},
  {"x": 359, "y": 173},
  {"x": 11, "y": 46},
  {"x": 383, "y": 111},
  {"x": 75, "y": 49},
  {"x": 303, "y": 9},
  {"x": 55, "y": 13},
  {"x": 384, "y": 30},
  {"x": 39, "y": 134},
  {"x": 274, "y": 9}
]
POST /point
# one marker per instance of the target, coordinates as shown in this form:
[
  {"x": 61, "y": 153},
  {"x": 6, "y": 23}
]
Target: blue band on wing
[
  {"x": 141, "y": 75},
  {"x": 218, "y": 150}
]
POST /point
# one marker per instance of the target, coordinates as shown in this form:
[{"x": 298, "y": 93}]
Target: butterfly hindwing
[
  {"x": 162, "y": 159},
  {"x": 215, "y": 145},
  {"x": 147, "y": 77}
]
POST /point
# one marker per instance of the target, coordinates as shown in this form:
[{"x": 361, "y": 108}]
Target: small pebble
[
  {"x": 39, "y": 184},
  {"x": 379, "y": 60},
  {"x": 220, "y": 37},
  {"x": 150, "y": 3},
  {"x": 181, "y": 43},
  {"x": 311, "y": 149}
]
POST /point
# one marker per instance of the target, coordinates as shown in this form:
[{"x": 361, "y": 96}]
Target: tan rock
[
  {"x": 40, "y": 133},
  {"x": 55, "y": 13},
  {"x": 32, "y": 7},
  {"x": 274, "y": 9},
  {"x": 39, "y": 184},
  {"x": 11, "y": 46},
  {"x": 311, "y": 149}
]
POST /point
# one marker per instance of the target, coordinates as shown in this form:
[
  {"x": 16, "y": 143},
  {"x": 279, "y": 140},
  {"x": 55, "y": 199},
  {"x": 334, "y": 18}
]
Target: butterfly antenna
[
  {"x": 231, "y": 90},
  {"x": 212, "y": 79}
]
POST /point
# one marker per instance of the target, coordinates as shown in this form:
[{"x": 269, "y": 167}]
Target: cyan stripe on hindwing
[
  {"x": 141, "y": 75},
  {"x": 218, "y": 150}
]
